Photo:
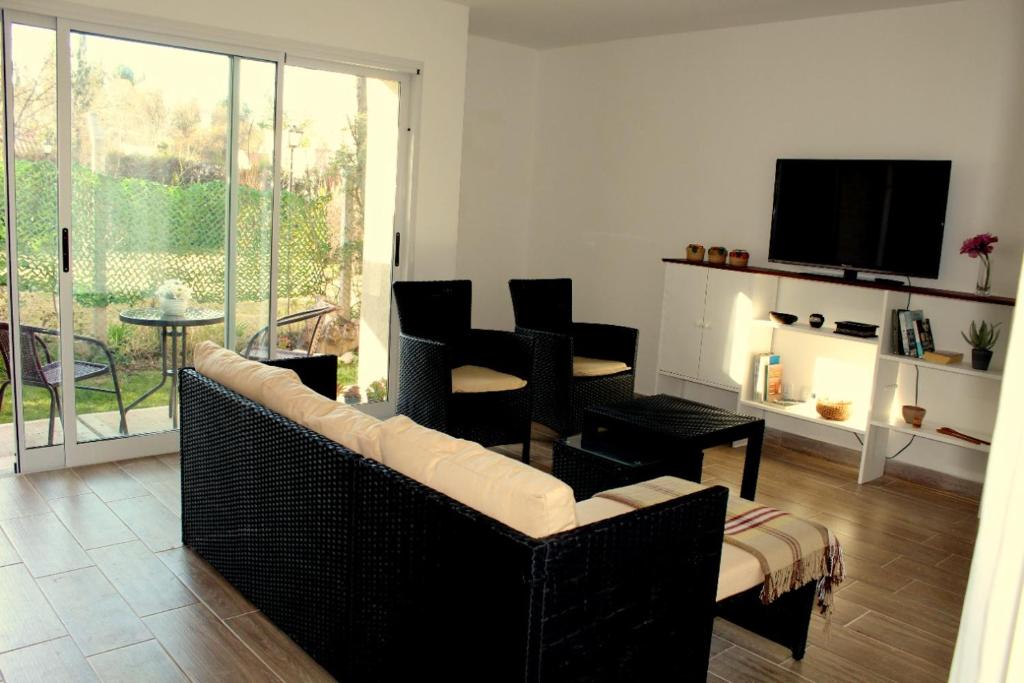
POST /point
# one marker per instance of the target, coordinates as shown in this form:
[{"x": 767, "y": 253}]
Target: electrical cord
[{"x": 917, "y": 387}]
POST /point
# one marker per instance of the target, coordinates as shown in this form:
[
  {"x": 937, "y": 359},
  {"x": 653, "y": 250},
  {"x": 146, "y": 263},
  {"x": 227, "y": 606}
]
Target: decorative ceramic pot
[
  {"x": 173, "y": 306},
  {"x": 738, "y": 258},
  {"x": 980, "y": 358},
  {"x": 913, "y": 415},
  {"x": 717, "y": 255},
  {"x": 695, "y": 252},
  {"x": 816, "y": 320}
]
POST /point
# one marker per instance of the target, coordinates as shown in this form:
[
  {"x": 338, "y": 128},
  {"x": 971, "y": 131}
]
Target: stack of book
[
  {"x": 767, "y": 378},
  {"x": 911, "y": 333}
]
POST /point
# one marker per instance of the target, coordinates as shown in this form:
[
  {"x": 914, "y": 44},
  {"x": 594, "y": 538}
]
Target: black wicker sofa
[{"x": 381, "y": 578}]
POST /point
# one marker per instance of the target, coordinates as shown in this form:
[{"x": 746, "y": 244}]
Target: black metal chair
[
  {"x": 45, "y": 373},
  {"x": 258, "y": 345},
  {"x": 437, "y": 338},
  {"x": 543, "y": 313}
]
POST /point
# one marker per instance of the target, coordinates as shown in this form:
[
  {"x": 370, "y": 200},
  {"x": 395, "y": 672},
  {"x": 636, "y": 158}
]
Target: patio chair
[
  {"x": 575, "y": 365},
  {"x": 258, "y": 345},
  {"x": 471, "y": 384},
  {"x": 45, "y": 373}
]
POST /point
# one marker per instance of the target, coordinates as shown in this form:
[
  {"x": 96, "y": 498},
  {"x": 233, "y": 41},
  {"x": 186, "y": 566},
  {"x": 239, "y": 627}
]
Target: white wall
[
  {"x": 428, "y": 31},
  {"x": 645, "y": 145},
  {"x": 497, "y": 174}
]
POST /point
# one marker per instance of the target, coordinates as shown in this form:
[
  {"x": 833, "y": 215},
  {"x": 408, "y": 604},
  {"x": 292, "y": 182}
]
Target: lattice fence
[{"x": 132, "y": 234}]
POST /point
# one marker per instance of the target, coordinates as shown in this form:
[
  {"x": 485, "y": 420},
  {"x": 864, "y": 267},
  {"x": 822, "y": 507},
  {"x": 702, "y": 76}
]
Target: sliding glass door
[
  {"x": 168, "y": 192},
  {"x": 339, "y": 185}
]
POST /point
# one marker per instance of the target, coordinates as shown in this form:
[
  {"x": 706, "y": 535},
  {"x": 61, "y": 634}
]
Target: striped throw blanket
[{"x": 792, "y": 551}]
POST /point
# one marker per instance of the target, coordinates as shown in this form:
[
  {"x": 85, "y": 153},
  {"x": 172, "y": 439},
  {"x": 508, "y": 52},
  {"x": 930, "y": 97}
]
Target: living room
[{"x": 531, "y": 142}]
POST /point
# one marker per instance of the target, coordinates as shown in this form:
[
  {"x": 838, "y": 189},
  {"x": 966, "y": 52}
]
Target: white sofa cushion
[
  {"x": 507, "y": 490},
  {"x": 280, "y": 390},
  {"x": 739, "y": 570}
]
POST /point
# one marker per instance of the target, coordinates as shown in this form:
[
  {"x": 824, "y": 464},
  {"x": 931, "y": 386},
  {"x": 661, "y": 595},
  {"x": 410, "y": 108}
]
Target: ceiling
[{"x": 556, "y": 23}]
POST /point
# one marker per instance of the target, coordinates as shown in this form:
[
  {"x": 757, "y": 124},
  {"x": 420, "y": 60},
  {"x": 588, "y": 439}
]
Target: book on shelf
[
  {"x": 943, "y": 357},
  {"x": 773, "y": 389},
  {"x": 925, "y": 342},
  {"x": 761, "y": 364},
  {"x": 908, "y": 333}
]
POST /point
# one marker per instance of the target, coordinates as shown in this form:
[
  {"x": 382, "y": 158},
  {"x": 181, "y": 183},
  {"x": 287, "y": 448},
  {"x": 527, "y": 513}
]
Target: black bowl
[{"x": 783, "y": 318}]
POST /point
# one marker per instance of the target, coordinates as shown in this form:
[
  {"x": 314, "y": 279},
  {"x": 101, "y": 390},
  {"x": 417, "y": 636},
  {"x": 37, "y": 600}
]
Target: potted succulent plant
[
  {"x": 982, "y": 340},
  {"x": 695, "y": 252},
  {"x": 717, "y": 255}
]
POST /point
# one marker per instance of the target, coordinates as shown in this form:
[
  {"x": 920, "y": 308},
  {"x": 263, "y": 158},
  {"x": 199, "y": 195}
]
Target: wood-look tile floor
[{"x": 94, "y": 583}]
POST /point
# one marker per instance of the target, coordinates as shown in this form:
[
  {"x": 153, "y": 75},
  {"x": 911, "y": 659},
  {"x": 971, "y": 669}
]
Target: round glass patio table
[{"x": 172, "y": 327}]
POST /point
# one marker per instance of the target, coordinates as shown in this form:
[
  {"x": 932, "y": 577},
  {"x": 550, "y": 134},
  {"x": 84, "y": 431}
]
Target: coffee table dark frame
[{"x": 648, "y": 444}]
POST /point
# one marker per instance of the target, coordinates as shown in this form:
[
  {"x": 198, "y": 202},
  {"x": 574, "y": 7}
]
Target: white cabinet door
[
  {"x": 682, "y": 319},
  {"x": 728, "y": 309}
]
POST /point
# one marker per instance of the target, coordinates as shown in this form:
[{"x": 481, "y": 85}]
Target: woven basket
[{"x": 834, "y": 410}]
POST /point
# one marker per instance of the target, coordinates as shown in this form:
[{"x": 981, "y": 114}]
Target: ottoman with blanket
[{"x": 775, "y": 566}]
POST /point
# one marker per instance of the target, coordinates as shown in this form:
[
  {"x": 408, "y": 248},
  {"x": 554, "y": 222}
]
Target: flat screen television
[{"x": 860, "y": 215}]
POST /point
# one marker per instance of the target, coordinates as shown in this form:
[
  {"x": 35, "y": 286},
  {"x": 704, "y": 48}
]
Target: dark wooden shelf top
[{"x": 866, "y": 284}]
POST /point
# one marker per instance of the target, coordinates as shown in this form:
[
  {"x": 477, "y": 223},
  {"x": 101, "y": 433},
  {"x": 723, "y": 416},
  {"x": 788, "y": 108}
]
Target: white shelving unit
[
  {"x": 961, "y": 368},
  {"x": 927, "y": 430},
  {"x": 807, "y": 412},
  {"x": 804, "y": 328}
]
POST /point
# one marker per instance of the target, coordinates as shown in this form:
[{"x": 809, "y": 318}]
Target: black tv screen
[{"x": 870, "y": 215}]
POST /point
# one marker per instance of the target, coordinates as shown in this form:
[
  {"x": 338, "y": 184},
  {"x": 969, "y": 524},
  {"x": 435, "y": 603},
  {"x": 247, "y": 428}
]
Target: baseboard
[{"x": 848, "y": 456}]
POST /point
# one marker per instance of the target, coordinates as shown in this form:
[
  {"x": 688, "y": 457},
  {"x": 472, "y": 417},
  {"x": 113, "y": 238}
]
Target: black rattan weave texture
[
  {"x": 435, "y": 338},
  {"x": 543, "y": 310},
  {"x": 380, "y": 578}
]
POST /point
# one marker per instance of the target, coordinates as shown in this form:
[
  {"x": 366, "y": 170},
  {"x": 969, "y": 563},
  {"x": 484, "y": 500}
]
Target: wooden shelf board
[
  {"x": 866, "y": 284},
  {"x": 962, "y": 368},
  {"x": 804, "y": 328},
  {"x": 927, "y": 431},
  {"x": 806, "y": 411}
]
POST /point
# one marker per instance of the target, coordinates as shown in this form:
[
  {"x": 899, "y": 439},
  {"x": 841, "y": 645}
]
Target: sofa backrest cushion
[
  {"x": 352, "y": 428},
  {"x": 281, "y": 391},
  {"x": 250, "y": 378},
  {"x": 524, "y": 498}
]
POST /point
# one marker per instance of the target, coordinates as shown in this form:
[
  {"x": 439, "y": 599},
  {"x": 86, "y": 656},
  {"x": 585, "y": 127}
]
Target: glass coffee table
[{"x": 632, "y": 441}]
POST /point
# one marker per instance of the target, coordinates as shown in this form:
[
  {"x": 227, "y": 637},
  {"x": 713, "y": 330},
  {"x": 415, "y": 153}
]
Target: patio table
[{"x": 171, "y": 327}]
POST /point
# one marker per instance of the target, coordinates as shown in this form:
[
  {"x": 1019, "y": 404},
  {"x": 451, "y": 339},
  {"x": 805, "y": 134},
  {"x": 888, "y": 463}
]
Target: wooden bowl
[
  {"x": 833, "y": 410},
  {"x": 717, "y": 255},
  {"x": 738, "y": 258},
  {"x": 695, "y": 252}
]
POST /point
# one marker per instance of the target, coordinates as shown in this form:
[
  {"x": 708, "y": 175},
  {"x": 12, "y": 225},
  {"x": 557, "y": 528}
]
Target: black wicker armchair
[
  {"x": 438, "y": 348},
  {"x": 562, "y": 386}
]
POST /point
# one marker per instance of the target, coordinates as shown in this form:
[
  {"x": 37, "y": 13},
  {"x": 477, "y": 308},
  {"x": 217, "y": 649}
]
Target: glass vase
[{"x": 984, "y": 286}]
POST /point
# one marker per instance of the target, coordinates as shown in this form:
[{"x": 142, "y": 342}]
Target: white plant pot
[{"x": 173, "y": 306}]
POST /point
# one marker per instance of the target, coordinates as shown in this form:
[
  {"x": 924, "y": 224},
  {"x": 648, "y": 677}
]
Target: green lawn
[{"x": 134, "y": 383}]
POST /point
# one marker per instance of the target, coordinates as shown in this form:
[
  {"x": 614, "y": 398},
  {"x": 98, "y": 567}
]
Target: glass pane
[
  {"x": 337, "y": 223},
  {"x": 33, "y": 57},
  {"x": 8, "y": 439},
  {"x": 256, "y": 92},
  {"x": 149, "y": 215}
]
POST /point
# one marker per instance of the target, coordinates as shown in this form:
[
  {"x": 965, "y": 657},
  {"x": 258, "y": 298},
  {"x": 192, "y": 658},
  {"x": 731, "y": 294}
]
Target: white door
[
  {"x": 682, "y": 320},
  {"x": 728, "y": 308}
]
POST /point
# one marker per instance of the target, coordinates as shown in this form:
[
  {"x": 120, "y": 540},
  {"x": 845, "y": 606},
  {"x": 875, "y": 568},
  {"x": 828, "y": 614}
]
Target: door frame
[{"x": 71, "y": 453}]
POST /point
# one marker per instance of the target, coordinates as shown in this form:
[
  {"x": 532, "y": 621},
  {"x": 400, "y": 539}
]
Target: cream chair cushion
[
  {"x": 504, "y": 489},
  {"x": 250, "y": 378},
  {"x": 596, "y": 367},
  {"x": 739, "y": 570},
  {"x": 474, "y": 379}
]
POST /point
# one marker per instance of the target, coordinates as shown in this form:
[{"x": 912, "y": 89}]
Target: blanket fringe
[{"x": 826, "y": 566}]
